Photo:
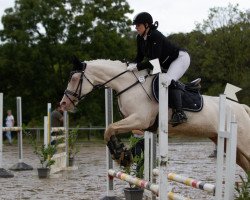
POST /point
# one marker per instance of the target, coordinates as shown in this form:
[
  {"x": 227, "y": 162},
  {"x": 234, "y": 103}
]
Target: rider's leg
[
  {"x": 179, "y": 66},
  {"x": 178, "y": 115},
  {"x": 175, "y": 72}
]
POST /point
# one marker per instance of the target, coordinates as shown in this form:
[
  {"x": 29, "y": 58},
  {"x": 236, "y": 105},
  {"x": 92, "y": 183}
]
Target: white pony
[{"x": 140, "y": 109}]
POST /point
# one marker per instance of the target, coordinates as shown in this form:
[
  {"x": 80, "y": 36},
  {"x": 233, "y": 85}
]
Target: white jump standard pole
[
  {"x": 3, "y": 172},
  {"x": 109, "y": 119},
  {"x": 227, "y": 130},
  {"x": 163, "y": 139},
  {"x": 66, "y": 126},
  {"x": 20, "y": 166}
]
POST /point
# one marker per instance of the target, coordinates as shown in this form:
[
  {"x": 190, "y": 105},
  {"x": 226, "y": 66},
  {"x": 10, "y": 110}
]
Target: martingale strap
[
  {"x": 135, "y": 83},
  {"x": 119, "y": 93},
  {"x": 104, "y": 84}
]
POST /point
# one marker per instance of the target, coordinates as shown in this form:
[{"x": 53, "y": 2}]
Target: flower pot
[
  {"x": 133, "y": 193},
  {"x": 71, "y": 162},
  {"x": 43, "y": 172}
]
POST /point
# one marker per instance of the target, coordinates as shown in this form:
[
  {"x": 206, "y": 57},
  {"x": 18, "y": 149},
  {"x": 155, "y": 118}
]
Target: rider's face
[{"x": 140, "y": 28}]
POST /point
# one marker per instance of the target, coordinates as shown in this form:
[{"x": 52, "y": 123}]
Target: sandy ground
[{"x": 186, "y": 157}]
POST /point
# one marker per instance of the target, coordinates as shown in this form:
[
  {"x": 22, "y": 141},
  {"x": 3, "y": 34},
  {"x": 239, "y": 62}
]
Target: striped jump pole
[
  {"x": 14, "y": 128},
  {"x": 143, "y": 184},
  {"x": 188, "y": 181},
  {"x": 20, "y": 166}
]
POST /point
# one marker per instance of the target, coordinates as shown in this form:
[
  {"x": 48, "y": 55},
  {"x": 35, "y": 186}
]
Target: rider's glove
[
  {"x": 166, "y": 80},
  {"x": 131, "y": 67}
]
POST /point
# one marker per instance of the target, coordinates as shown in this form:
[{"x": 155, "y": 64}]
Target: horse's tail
[{"x": 247, "y": 108}]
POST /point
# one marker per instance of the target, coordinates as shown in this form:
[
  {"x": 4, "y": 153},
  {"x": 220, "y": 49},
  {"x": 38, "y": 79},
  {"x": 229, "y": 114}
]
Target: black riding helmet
[{"x": 143, "y": 18}]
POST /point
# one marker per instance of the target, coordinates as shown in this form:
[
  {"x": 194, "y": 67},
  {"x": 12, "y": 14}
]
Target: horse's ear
[{"x": 77, "y": 64}]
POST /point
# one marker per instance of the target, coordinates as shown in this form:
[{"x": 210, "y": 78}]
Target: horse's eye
[{"x": 73, "y": 78}]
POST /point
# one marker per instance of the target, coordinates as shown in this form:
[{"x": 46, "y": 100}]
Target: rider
[{"x": 152, "y": 44}]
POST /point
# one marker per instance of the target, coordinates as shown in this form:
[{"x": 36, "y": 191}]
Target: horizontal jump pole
[
  {"x": 143, "y": 184},
  {"x": 58, "y": 155},
  {"x": 62, "y": 145},
  {"x": 57, "y": 137},
  {"x": 12, "y": 128},
  {"x": 57, "y": 129},
  {"x": 174, "y": 196},
  {"x": 188, "y": 181}
]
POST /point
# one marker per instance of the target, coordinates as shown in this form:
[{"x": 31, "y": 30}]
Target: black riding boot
[{"x": 178, "y": 115}]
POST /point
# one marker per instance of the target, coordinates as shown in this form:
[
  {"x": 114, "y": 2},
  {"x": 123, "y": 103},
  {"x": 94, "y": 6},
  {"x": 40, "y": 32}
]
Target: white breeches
[{"x": 179, "y": 66}]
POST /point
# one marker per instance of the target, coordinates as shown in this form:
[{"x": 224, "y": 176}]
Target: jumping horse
[{"x": 140, "y": 109}]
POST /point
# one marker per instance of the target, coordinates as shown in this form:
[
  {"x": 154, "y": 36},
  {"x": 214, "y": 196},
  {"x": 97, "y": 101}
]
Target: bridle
[{"x": 78, "y": 90}]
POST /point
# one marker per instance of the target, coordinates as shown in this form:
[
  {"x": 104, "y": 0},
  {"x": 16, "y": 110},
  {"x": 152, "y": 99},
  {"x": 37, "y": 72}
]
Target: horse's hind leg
[
  {"x": 125, "y": 125},
  {"x": 214, "y": 139},
  {"x": 242, "y": 160}
]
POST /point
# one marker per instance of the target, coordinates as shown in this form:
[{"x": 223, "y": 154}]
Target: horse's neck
[{"x": 102, "y": 73}]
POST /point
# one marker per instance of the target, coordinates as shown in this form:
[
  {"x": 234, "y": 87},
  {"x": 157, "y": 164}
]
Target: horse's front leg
[{"x": 128, "y": 124}]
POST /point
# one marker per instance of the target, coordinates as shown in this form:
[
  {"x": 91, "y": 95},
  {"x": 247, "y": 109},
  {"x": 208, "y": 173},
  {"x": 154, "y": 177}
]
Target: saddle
[{"x": 192, "y": 100}]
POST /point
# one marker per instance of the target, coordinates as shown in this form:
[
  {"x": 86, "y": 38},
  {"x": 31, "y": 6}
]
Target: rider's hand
[
  {"x": 131, "y": 67},
  {"x": 166, "y": 80}
]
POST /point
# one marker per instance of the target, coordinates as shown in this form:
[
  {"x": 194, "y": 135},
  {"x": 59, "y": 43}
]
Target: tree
[
  {"x": 226, "y": 55},
  {"x": 39, "y": 38},
  {"x": 219, "y": 51}
]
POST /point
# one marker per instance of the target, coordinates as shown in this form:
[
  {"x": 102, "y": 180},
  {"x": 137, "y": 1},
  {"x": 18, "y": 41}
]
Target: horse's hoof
[{"x": 118, "y": 152}]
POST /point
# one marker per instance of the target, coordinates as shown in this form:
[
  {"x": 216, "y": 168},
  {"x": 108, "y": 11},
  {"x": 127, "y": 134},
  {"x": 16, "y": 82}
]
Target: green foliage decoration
[
  {"x": 137, "y": 167},
  {"x": 72, "y": 142},
  {"x": 44, "y": 153},
  {"x": 243, "y": 190}
]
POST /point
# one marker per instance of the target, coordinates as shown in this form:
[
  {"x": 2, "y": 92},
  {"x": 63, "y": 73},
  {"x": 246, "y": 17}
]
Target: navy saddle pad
[{"x": 191, "y": 100}]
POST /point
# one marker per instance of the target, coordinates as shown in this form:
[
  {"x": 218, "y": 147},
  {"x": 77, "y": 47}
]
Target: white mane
[{"x": 103, "y": 62}]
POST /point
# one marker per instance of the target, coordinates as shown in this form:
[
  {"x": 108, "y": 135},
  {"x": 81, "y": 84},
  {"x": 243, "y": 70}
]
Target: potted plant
[
  {"x": 73, "y": 148},
  {"x": 136, "y": 170},
  {"x": 45, "y": 153}
]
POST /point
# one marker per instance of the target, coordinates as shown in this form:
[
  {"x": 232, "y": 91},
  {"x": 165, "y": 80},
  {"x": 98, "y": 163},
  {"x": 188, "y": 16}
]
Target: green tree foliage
[
  {"x": 220, "y": 50},
  {"x": 39, "y": 38}
]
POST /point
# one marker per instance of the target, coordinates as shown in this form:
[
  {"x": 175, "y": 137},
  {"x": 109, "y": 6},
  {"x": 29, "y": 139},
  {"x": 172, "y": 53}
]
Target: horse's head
[{"x": 78, "y": 86}]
